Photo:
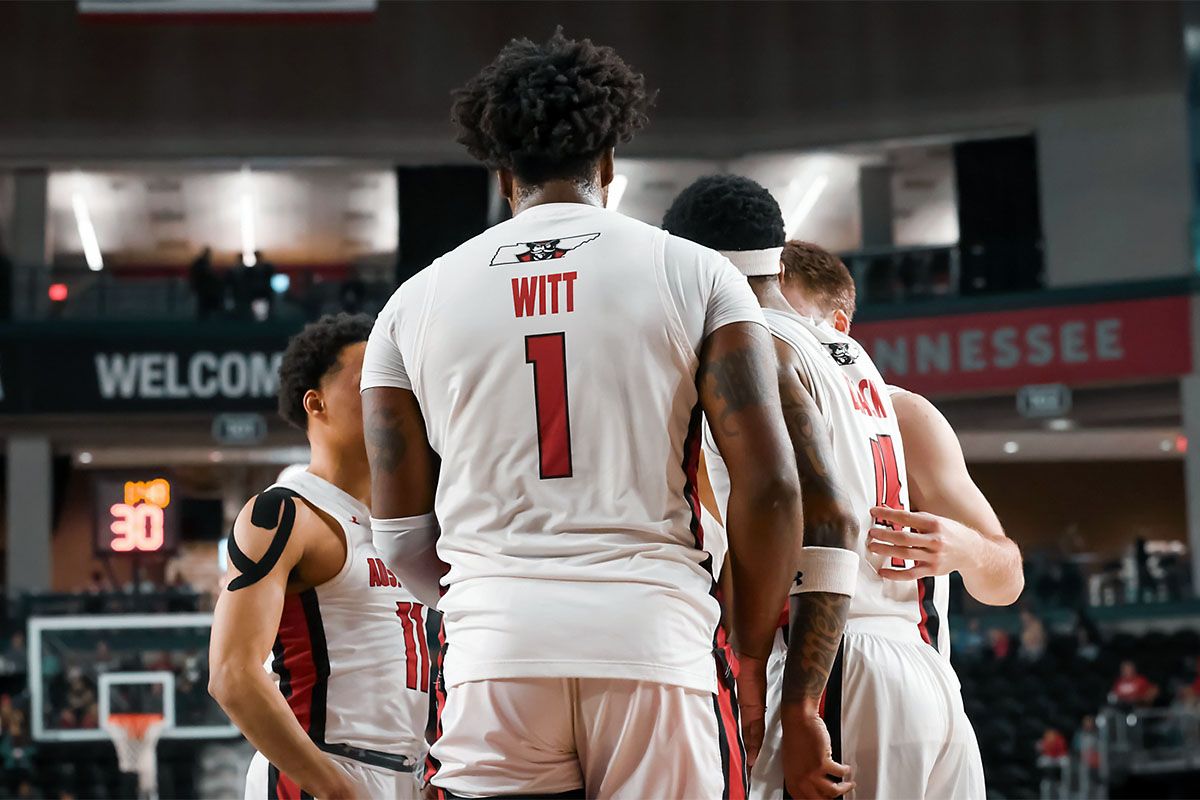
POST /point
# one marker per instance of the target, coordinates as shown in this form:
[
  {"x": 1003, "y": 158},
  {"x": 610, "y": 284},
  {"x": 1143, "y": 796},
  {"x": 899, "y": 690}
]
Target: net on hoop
[{"x": 135, "y": 736}]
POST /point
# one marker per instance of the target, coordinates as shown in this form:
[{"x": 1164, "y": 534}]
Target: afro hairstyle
[
  {"x": 311, "y": 355},
  {"x": 726, "y": 212},
  {"x": 548, "y": 111}
]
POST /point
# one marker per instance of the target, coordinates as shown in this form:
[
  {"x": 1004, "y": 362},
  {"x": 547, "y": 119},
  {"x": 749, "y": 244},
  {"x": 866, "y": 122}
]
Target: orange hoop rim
[{"x": 135, "y": 725}]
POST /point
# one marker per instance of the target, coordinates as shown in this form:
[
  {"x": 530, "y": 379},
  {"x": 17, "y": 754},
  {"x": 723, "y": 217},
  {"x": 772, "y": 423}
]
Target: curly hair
[
  {"x": 726, "y": 212},
  {"x": 311, "y": 355},
  {"x": 819, "y": 272},
  {"x": 547, "y": 111}
]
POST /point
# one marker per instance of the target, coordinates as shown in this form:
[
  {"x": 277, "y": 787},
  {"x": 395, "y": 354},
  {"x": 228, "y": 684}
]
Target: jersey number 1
[
  {"x": 887, "y": 479},
  {"x": 547, "y": 352}
]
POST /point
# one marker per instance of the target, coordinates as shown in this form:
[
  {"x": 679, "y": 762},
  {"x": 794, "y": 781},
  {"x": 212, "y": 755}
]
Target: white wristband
[{"x": 826, "y": 569}]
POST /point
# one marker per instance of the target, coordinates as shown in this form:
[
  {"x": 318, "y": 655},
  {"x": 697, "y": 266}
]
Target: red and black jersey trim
[
  {"x": 930, "y": 625},
  {"x": 831, "y": 701},
  {"x": 437, "y": 706},
  {"x": 301, "y": 660},
  {"x": 281, "y": 787},
  {"x": 729, "y": 723},
  {"x": 725, "y": 706}
]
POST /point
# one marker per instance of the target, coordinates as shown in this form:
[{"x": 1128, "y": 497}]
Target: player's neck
[
  {"x": 769, "y": 294},
  {"x": 556, "y": 192},
  {"x": 350, "y": 473}
]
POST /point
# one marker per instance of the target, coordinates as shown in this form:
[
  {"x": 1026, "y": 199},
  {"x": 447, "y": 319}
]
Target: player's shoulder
[
  {"x": 917, "y": 414},
  {"x": 678, "y": 250},
  {"x": 272, "y": 519}
]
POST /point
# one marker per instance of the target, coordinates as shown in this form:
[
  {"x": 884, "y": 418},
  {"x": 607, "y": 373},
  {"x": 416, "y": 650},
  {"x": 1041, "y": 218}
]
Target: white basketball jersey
[
  {"x": 351, "y": 655},
  {"x": 868, "y": 453},
  {"x": 554, "y": 358}
]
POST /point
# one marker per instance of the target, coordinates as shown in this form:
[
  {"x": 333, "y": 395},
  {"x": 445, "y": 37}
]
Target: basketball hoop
[{"x": 135, "y": 736}]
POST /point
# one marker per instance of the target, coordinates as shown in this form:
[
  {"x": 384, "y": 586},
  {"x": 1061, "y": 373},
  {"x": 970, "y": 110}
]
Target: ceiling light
[
  {"x": 280, "y": 282},
  {"x": 87, "y": 233},
  {"x": 216, "y": 456},
  {"x": 85, "y": 457},
  {"x": 1011, "y": 447},
  {"x": 807, "y": 201},
  {"x": 247, "y": 212},
  {"x": 1166, "y": 445},
  {"x": 1061, "y": 424},
  {"x": 616, "y": 190}
]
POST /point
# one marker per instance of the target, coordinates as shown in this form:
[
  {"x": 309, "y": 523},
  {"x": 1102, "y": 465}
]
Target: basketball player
[
  {"x": 892, "y": 704},
  {"x": 343, "y": 713},
  {"x": 954, "y": 526},
  {"x": 557, "y": 364}
]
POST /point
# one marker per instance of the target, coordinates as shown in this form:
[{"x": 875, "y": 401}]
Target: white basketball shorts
[
  {"x": 895, "y": 715},
  {"x": 587, "y": 737}
]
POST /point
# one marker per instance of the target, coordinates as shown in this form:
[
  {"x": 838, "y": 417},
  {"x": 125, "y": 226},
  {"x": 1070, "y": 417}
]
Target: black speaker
[
  {"x": 999, "y": 215},
  {"x": 440, "y": 208}
]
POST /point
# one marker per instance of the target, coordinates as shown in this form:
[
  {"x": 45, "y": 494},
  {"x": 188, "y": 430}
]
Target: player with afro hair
[
  {"x": 741, "y": 219},
  {"x": 547, "y": 116},
  {"x": 727, "y": 213}
]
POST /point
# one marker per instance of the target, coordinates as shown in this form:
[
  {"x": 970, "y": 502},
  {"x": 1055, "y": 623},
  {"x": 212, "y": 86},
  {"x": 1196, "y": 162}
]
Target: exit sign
[{"x": 1044, "y": 400}]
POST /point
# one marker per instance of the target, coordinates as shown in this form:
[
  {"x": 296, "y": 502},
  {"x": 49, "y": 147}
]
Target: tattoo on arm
[
  {"x": 818, "y": 619},
  {"x": 828, "y": 521},
  {"x": 386, "y": 444},
  {"x": 814, "y": 635},
  {"x": 733, "y": 379}
]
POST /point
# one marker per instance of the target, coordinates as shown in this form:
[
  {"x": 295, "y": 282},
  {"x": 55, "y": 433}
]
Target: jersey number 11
[{"x": 547, "y": 352}]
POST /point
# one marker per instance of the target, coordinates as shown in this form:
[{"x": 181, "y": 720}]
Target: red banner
[{"x": 1120, "y": 341}]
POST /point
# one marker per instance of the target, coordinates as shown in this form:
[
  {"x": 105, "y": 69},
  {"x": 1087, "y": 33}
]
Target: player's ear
[
  {"x": 505, "y": 185},
  {"x": 606, "y": 167},
  {"x": 314, "y": 404},
  {"x": 841, "y": 321}
]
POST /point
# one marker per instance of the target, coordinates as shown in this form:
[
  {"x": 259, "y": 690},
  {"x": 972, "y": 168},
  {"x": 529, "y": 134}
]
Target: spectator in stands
[
  {"x": 80, "y": 697},
  {"x": 970, "y": 640},
  {"x": 1000, "y": 642},
  {"x": 1033, "y": 636},
  {"x": 352, "y": 293},
  {"x": 9, "y": 713},
  {"x": 1052, "y": 761},
  {"x": 16, "y": 751},
  {"x": 1087, "y": 649},
  {"x": 14, "y": 660},
  {"x": 258, "y": 287},
  {"x": 1132, "y": 688},
  {"x": 103, "y": 660},
  {"x": 98, "y": 584},
  {"x": 1087, "y": 753},
  {"x": 206, "y": 285}
]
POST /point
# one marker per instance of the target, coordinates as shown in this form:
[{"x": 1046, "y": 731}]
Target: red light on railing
[
  {"x": 57, "y": 292},
  {"x": 1181, "y": 444}
]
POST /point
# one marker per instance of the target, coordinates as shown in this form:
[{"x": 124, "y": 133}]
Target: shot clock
[{"x": 135, "y": 514}]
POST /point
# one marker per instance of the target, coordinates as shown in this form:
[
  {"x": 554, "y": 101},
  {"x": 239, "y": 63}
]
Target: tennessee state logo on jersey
[
  {"x": 843, "y": 353},
  {"x": 544, "y": 250}
]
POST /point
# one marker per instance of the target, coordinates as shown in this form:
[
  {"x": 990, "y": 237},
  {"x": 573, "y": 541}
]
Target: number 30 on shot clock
[{"x": 134, "y": 516}]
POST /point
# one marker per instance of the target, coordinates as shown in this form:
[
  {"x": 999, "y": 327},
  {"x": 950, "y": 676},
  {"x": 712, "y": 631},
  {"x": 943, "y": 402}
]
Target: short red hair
[{"x": 821, "y": 274}]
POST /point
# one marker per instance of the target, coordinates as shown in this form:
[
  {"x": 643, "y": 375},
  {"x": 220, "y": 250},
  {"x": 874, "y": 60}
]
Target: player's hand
[
  {"x": 809, "y": 771},
  {"x": 335, "y": 784},
  {"x": 752, "y": 703},
  {"x": 937, "y": 545}
]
